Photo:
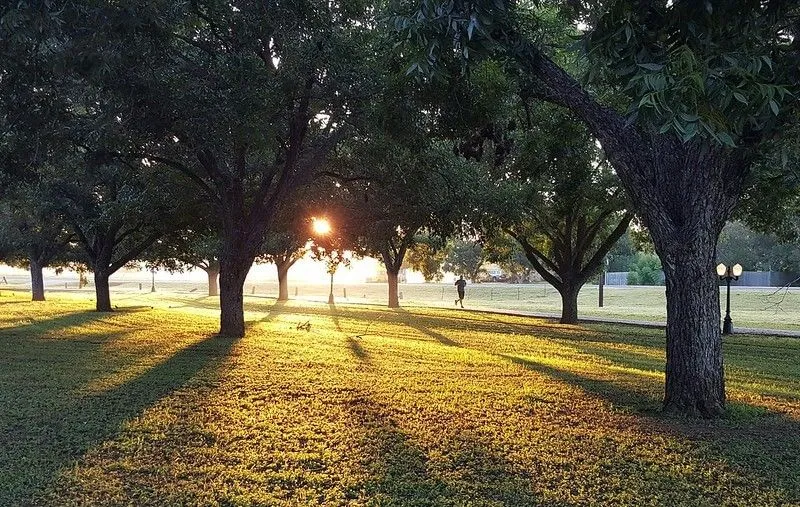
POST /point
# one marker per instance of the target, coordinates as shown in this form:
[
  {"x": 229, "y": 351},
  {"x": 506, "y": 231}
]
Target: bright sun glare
[{"x": 321, "y": 226}]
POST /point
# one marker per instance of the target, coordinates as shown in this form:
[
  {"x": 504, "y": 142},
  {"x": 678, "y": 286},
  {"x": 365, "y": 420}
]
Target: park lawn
[{"x": 146, "y": 406}]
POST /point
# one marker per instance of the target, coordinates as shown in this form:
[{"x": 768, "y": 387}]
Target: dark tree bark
[
  {"x": 212, "y": 271},
  {"x": 102, "y": 292},
  {"x": 695, "y": 382},
  {"x": 569, "y": 303},
  {"x": 394, "y": 299},
  {"x": 393, "y": 254},
  {"x": 37, "y": 279},
  {"x": 233, "y": 271},
  {"x": 283, "y": 282}
]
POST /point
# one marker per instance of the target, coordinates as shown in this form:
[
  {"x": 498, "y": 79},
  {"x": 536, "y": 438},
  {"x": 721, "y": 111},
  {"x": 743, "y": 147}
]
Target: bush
[{"x": 645, "y": 270}]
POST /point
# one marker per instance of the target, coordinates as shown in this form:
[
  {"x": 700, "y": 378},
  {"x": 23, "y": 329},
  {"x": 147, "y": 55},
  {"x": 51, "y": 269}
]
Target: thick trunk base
[
  {"x": 231, "y": 298},
  {"x": 213, "y": 282},
  {"x": 695, "y": 379},
  {"x": 569, "y": 305},
  {"x": 283, "y": 284},
  {"x": 102, "y": 292},
  {"x": 394, "y": 299},
  {"x": 37, "y": 282}
]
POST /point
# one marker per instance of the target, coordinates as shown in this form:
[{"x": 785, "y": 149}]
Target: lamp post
[
  {"x": 728, "y": 273},
  {"x": 602, "y": 283}
]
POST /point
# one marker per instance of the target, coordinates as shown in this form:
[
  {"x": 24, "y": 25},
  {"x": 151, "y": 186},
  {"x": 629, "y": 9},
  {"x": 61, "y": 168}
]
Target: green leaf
[
  {"x": 741, "y": 98},
  {"x": 774, "y": 106},
  {"x": 651, "y": 66},
  {"x": 726, "y": 139}
]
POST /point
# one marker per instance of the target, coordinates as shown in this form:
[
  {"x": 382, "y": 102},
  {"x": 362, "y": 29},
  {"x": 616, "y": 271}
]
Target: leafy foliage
[
  {"x": 722, "y": 69},
  {"x": 645, "y": 270},
  {"x": 466, "y": 258}
]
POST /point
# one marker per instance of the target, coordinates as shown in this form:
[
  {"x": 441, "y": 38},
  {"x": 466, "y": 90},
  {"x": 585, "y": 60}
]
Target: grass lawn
[
  {"x": 751, "y": 307},
  {"x": 420, "y": 406}
]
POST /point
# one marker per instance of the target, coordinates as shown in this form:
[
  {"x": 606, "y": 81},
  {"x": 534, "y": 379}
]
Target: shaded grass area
[{"x": 368, "y": 406}]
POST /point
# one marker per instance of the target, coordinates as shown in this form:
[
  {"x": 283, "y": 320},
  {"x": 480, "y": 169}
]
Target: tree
[
  {"x": 645, "y": 270},
  {"x": 34, "y": 237},
  {"x": 465, "y": 258},
  {"x": 622, "y": 255},
  {"x": 333, "y": 248},
  {"x": 116, "y": 213},
  {"x": 284, "y": 248},
  {"x": 756, "y": 251},
  {"x": 196, "y": 246},
  {"x": 690, "y": 93},
  {"x": 561, "y": 201},
  {"x": 396, "y": 192},
  {"x": 427, "y": 255},
  {"x": 245, "y": 101}
]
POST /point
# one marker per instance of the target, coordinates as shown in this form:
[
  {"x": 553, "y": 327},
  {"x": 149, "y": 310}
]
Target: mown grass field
[
  {"x": 420, "y": 406},
  {"x": 766, "y": 308}
]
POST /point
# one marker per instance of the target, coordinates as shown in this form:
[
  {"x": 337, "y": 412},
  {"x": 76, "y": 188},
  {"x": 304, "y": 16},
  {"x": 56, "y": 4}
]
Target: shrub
[{"x": 645, "y": 270}]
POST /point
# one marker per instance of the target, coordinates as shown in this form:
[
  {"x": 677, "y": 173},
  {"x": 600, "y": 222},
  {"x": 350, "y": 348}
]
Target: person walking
[{"x": 460, "y": 284}]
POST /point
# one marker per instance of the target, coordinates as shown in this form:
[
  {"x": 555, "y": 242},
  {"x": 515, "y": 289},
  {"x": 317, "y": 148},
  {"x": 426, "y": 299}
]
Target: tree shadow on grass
[
  {"x": 334, "y": 315},
  {"x": 357, "y": 349},
  {"x": 49, "y": 325},
  {"x": 760, "y": 443},
  {"x": 48, "y": 427},
  {"x": 418, "y": 322},
  {"x": 401, "y": 472},
  {"x": 352, "y": 341},
  {"x": 210, "y": 303}
]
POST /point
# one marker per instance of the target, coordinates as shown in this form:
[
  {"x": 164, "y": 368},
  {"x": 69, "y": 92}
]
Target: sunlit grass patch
[{"x": 369, "y": 406}]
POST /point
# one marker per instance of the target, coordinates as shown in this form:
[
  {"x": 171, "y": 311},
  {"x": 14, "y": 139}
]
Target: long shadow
[
  {"x": 39, "y": 326},
  {"x": 415, "y": 322},
  {"x": 210, "y": 303},
  {"x": 278, "y": 308},
  {"x": 766, "y": 444},
  {"x": 609, "y": 390},
  {"x": 43, "y": 433},
  {"x": 401, "y": 473},
  {"x": 357, "y": 349}
]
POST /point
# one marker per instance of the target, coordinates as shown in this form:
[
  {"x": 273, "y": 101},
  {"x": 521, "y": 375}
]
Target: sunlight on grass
[{"x": 359, "y": 405}]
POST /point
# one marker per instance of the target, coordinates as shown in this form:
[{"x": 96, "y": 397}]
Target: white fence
[{"x": 748, "y": 279}]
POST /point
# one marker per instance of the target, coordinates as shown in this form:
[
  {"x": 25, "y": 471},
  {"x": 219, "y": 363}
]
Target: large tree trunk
[
  {"x": 684, "y": 191},
  {"x": 102, "y": 291},
  {"x": 213, "y": 280},
  {"x": 37, "y": 280},
  {"x": 695, "y": 381},
  {"x": 283, "y": 282},
  {"x": 232, "y": 274},
  {"x": 569, "y": 303},
  {"x": 394, "y": 300}
]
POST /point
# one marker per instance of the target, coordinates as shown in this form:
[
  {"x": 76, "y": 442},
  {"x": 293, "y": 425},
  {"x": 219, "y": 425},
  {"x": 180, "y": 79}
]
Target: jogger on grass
[{"x": 460, "y": 284}]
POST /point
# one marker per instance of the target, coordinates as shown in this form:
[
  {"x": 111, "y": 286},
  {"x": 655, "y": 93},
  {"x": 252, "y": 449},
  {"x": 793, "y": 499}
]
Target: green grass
[
  {"x": 146, "y": 406},
  {"x": 751, "y": 308}
]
